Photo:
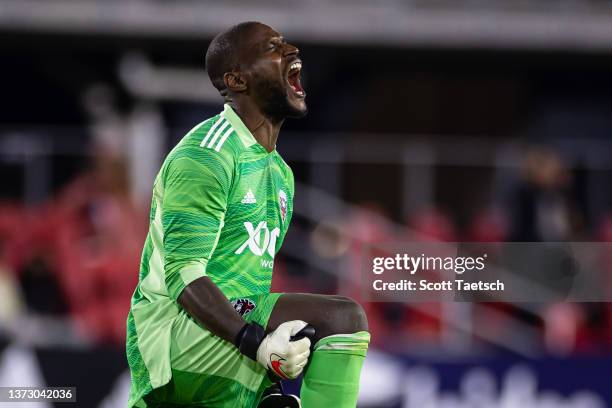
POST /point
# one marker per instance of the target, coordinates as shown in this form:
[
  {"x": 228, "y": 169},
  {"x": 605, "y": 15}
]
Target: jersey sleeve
[{"x": 195, "y": 198}]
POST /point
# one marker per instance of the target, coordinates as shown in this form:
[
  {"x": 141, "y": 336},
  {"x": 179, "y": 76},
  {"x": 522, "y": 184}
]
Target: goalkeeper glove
[{"x": 276, "y": 351}]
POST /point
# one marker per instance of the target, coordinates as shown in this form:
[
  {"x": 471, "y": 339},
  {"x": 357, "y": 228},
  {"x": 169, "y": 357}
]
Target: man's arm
[{"x": 203, "y": 300}]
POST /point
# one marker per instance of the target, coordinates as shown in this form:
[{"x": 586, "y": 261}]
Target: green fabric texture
[
  {"x": 332, "y": 376},
  {"x": 187, "y": 389},
  {"x": 208, "y": 371},
  {"x": 137, "y": 366}
]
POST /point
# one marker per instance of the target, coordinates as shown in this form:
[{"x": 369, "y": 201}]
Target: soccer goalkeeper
[{"x": 203, "y": 328}]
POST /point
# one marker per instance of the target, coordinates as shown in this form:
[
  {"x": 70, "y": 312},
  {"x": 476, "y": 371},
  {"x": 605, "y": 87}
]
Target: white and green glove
[{"x": 276, "y": 351}]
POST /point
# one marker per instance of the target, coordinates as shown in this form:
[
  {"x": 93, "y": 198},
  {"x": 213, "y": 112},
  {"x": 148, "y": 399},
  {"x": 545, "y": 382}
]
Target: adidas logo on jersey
[{"x": 249, "y": 198}]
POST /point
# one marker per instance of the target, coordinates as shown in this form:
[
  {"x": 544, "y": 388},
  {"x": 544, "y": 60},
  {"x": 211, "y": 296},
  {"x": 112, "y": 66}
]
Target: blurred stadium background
[{"x": 455, "y": 120}]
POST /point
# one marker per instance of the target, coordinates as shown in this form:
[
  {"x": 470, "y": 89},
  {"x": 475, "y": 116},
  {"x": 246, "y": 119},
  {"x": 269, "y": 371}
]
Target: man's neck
[{"x": 263, "y": 128}]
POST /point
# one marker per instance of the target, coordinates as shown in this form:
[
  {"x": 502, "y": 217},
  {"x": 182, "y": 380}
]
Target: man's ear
[{"x": 235, "y": 81}]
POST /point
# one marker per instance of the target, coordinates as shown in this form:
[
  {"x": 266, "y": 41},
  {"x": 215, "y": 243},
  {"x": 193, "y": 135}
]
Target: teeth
[{"x": 296, "y": 65}]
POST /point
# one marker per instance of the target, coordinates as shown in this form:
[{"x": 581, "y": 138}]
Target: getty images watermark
[
  {"x": 517, "y": 272},
  {"x": 413, "y": 264}
]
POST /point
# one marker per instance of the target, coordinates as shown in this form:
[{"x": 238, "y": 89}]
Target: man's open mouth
[{"x": 293, "y": 79}]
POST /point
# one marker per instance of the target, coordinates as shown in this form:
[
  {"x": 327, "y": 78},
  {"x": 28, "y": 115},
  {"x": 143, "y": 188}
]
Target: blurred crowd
[
  {"x": 558, "y": 328},
  {"x": 540, "y": 208},
  {"x": 77, "y": 255}
]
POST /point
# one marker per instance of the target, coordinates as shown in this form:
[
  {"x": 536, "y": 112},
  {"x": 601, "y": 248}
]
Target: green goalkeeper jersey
[{"x": 221, "y": 208}]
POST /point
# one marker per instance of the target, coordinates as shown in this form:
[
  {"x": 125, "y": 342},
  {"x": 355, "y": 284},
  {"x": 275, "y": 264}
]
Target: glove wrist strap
[{"x": 249, "y": 338}]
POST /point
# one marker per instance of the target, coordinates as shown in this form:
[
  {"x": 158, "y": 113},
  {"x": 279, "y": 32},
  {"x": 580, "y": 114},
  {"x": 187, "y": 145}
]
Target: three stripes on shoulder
[{"x": 217, "y": 133}]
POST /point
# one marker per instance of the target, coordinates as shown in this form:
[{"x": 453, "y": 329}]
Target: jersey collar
[{"x": 242, "y": 131}]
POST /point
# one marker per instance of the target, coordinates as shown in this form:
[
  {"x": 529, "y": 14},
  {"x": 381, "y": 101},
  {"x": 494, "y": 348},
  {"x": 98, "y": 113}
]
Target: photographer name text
[{"x": 439, "y": 286}]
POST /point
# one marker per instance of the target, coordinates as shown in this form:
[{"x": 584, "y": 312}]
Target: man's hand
[
  {"x": 284, "y": 357},
  {"x": 276, "y": 351}
]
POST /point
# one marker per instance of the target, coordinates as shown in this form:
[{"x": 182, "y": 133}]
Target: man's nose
[{"x": 291, "y": 49}]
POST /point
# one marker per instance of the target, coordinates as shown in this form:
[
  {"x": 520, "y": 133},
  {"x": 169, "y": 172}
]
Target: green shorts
[{"x": 210, "y": 372}]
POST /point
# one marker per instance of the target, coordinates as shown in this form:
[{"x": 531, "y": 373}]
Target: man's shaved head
[{"x": 222, "y": 53}]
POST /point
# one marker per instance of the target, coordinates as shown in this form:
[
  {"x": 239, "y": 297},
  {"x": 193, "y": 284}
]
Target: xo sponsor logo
[{"x": 261, "y": 239}]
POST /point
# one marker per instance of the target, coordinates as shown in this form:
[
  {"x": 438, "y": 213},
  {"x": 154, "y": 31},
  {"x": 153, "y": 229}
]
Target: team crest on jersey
[
  {"x": 243, "y": 306},
  {"x": 282, "y": 202}
]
